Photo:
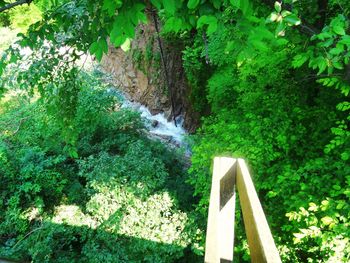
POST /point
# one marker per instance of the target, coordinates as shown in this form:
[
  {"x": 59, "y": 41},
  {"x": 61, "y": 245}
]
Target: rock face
[{"x": 140, "y": 73}]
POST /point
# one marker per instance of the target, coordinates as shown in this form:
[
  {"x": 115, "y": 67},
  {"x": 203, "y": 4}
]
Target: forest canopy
[{"x": 271, "y": 80}]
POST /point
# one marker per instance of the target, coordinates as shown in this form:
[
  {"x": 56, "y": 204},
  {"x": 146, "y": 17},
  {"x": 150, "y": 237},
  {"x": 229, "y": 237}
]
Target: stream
[{"x": 157, "y": 125}]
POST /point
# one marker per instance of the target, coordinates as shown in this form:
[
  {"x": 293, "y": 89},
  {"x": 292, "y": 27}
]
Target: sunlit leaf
[
  {"x": 292, "y": 19},
  {"x": 339, "y": 30},
  {"x": 278, "y": 6},
  {"x": 272, "y": 17}
]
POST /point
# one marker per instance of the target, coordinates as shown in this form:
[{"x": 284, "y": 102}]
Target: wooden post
[
  {"x": 220, "y": 229},
  {"x": 261, "y": 244}
]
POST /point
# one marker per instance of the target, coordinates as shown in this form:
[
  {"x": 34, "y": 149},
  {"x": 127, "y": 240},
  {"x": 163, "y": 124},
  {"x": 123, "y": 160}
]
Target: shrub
[{"x": 107, "y": 193}]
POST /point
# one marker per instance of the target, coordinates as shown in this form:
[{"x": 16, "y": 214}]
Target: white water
[
  {"x": 158, "y": 124},
  {"x": 163, "y": 127}
]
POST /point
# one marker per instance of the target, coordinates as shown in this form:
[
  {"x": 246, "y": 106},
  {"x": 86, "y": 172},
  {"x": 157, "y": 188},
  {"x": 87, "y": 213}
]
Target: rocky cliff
[{"x": 140, "y": 72}]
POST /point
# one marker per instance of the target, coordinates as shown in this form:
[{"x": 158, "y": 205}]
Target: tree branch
[
  {"x": 322, "y": 12},
  {"x": 316, "y": 77},
  {"x": 11, "y": 5}
]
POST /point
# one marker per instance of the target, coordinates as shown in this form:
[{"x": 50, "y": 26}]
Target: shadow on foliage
[{"x": 61, "y": 242}]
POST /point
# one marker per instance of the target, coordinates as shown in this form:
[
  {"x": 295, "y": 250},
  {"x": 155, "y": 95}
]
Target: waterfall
[{"x": 157, "y": 124}]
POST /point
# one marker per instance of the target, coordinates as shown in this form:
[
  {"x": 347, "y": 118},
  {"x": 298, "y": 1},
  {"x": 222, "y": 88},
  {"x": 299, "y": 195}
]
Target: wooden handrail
[{"x": 230, "y": 174}]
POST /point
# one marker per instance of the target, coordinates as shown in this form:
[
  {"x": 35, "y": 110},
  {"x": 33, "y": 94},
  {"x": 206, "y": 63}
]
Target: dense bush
[
  {"x": 285, "y": 125},
  {"x": 113, "y": 195}
]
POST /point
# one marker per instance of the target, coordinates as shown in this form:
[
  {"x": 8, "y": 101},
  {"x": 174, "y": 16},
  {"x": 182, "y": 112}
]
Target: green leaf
[
  {"x": 282, "y": 41},
  {"x": 119, "y": 40},
  {"x": 156, "y": 3},
  {"x": 116, "y": 31},
  {"x": 173, "y": 24},
  {"x": 192, "y": 19},
  {"x": 111, "y": 6},
  {"x": 280, "y": 29},
  {"x": 99, "y": 54},
  {"x": 272, "y": 17},
  {"x": 336, "y": 51},
  {"x": 2, "y": 67},
  {"x": 245, "y": 7},
  {"x": 73, "y": 153},
  {"x": 325, "y": 203},
  {"x": 312, "y": 207},
  {"x": 129, "y": 29},
  {"x": 116, "y": 36},
  {"x": 345, "y": 156},
  {"x": 343, "y": 106},
  {"x": 93, "y": 48},
  {"x": 292, "y": 19},
  {"x": 285, "y": 13},
  {"x": 345, "y": 40},
  {"x": 142, "y": 17},
  {"x": 336, "y": 187},
  {"x": 278, "y": 6},
  {"x": 206, "y": 20},
  {"x": 169, "y": 6},
  {"x": 260, "y": 45},
  {"x": 216, "y": 3},
  {"x": 337, "y": 65},
  {"x": 212, "y": 28},
  {"x": 324, "y": 35},
  {"x": 235, "y": 3},
  {"x": 103, "y": 45},
  {"x": 13, "y": 58},
  {"x": 136, "y": 14},
  {"x": 192, "y": 4},
  {"x": 327, "y": 220},
  {"x": 327, "y": 43},
  {"x": 299, "y": 235},
  {"x": 211, "y": 21},
  {"x": 339, "y": 30},
  {"x": 2, "y": 89},
  {"x": 322, "y": 65}
]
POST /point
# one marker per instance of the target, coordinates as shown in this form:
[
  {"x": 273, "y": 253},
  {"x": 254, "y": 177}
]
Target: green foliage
[
  {"x": 275, "y": 79},
  {"x": 116, "y": 196},
  {"x": 16, "y": 21},
  {"x": 211, "y": 21},
  {"x": 21, "y": 17},
  {"x": 196, "y": 73},
  {"x": 283, "y": 18},
  {"x": 266, "y": 108},
  {"x": 320, "y": 228}
]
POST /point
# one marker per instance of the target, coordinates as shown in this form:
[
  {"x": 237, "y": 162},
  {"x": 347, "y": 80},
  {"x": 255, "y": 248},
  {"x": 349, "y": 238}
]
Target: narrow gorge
[{"x": 138, "y": 70}]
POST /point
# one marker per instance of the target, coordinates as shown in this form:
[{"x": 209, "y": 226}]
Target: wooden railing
[{"x": 230, "y": 174}]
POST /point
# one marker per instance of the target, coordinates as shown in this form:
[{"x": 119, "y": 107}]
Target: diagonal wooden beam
[{"x": 261, "y": 244}]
